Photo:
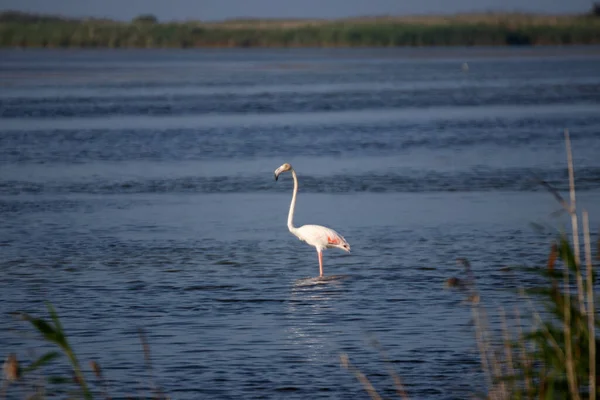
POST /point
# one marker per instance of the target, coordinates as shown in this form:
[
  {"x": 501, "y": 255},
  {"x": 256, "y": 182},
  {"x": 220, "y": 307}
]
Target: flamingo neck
[{"x": 290, "y": 222}]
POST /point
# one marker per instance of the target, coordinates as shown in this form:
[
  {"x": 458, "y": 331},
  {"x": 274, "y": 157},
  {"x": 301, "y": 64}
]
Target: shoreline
[{"x": 19, "y": 30}]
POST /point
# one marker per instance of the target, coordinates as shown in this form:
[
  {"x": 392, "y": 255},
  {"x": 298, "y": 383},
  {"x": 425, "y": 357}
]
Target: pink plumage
[
  {"x": 322, "y": 237},
  {"x": 318, "y": 236}
]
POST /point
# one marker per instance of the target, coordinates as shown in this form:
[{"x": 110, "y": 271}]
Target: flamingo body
[{"x": 320, "y": 237}]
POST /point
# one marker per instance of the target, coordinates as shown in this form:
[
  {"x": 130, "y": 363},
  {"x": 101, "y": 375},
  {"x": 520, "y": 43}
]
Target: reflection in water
[
  {"x": 311, "y": 308},
  {"x": 325, "y": 280}
]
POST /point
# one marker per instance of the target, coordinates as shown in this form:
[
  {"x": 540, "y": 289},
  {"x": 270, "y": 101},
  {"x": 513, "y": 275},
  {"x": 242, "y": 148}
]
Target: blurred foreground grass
[
  {"x": 73, "y": 383},
  {"x": 556, "y": 357}
]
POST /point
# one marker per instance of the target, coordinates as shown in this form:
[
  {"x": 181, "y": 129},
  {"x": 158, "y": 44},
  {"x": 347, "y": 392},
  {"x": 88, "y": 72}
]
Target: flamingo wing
[{"x": 322, "y": 237}]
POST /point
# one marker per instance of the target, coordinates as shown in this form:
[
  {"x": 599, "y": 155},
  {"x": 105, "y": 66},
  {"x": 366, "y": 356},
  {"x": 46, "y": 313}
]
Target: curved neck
[{"x": 290, "y": 223}]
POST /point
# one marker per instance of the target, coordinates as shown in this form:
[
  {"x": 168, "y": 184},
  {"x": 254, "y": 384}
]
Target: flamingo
[{"x": 320, "y": 237}]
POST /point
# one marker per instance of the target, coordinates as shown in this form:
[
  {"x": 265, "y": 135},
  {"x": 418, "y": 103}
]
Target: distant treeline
[{"x": 29, "y": 30}]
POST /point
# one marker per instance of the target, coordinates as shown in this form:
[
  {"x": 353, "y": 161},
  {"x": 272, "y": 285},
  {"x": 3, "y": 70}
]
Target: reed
[
  {"x": 52, "y": 332},
  {"x": 558, "y": 355},
  {"x": 556, "y": 358}
]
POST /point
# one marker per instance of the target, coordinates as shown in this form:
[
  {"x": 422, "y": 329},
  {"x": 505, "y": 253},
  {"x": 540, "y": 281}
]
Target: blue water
[{"x": 137, "y": 191}]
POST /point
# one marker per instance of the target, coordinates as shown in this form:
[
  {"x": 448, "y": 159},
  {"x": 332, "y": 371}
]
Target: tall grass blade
[
  {"x": 525, "y": 361},
  {"x": 574, "y": 223},
  {"x": 43, "y": 327},
  {"x": 362, "y": 378},
  {"x": 569, "y": 362},
  {"x": 56, "y": 335},
  {"x": 400, "y": 390},
  {"x": 508, "y": 352},
  {"x": 54, "y": 317},
  {"x": 59, "y": 380},
  {"x": 40, "y": 362},
  {"x": 146, "y": 347},
  {"x": 590, "y": 299}
]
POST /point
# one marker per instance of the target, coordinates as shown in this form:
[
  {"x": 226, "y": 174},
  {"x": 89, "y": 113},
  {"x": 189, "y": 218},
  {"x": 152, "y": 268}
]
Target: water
[{"x": 137, "y": 191}]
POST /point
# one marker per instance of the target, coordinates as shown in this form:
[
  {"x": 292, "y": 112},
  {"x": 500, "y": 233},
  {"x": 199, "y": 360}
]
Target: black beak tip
[{"x": 276, "y": 177}]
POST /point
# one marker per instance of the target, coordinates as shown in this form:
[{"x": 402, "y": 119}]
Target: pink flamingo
[{"x": 315, "y": 235}]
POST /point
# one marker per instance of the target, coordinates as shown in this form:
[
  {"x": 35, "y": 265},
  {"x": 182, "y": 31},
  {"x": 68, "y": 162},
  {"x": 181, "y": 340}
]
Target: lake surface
[{"x": 137, "y": 191}]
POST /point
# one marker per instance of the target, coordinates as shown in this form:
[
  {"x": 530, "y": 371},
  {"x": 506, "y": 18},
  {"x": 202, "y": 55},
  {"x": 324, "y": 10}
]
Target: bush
[{"x": 145, "y": 19}]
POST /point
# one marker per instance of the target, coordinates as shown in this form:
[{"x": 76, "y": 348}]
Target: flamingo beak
[{"x": 277, "y": 172}]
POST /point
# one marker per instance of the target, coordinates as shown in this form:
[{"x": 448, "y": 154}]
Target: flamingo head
[{"x": 285, "y": 167}]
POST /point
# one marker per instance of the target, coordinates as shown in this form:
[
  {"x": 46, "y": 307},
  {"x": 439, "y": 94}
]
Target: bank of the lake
[{"x": 26, "y": 30}]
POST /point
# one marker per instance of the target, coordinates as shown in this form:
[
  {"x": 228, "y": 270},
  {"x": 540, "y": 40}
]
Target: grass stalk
[
  {"x": 400, "y": 390},
  {"x": 572, "y": 381},
  {"x": 78, "y": 373},
  {"x": 545, "y": 331},
  {"x": 362, "y": 378},
  {"x": 68, "y": 350},
  {"x": 571, "y": 378},
  {"x": 146, "y": 348},
  {"x": 525, "y": 361},
  {"x": 590, "y": 299},
  {"x": 574, "y": 223},
  {"x": 508, "y": 352},
  {"x": 98, "y": 372},
  {"x": 481, "y": 344},
  {"x": 500, "y": 390},
  {"x": 477, "y": 319}
]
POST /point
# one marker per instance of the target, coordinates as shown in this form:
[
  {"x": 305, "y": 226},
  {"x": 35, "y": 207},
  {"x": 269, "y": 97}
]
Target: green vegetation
[
  {"x": 557, "y": 357},
  {"x": 52, "y": 332},
  {"x": 145, "y": 31},
  {"x": 145, "y": 19}
]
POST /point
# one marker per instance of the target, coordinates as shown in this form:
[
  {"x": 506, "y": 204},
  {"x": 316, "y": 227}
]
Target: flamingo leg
[{"x": 320, "y": 263}]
